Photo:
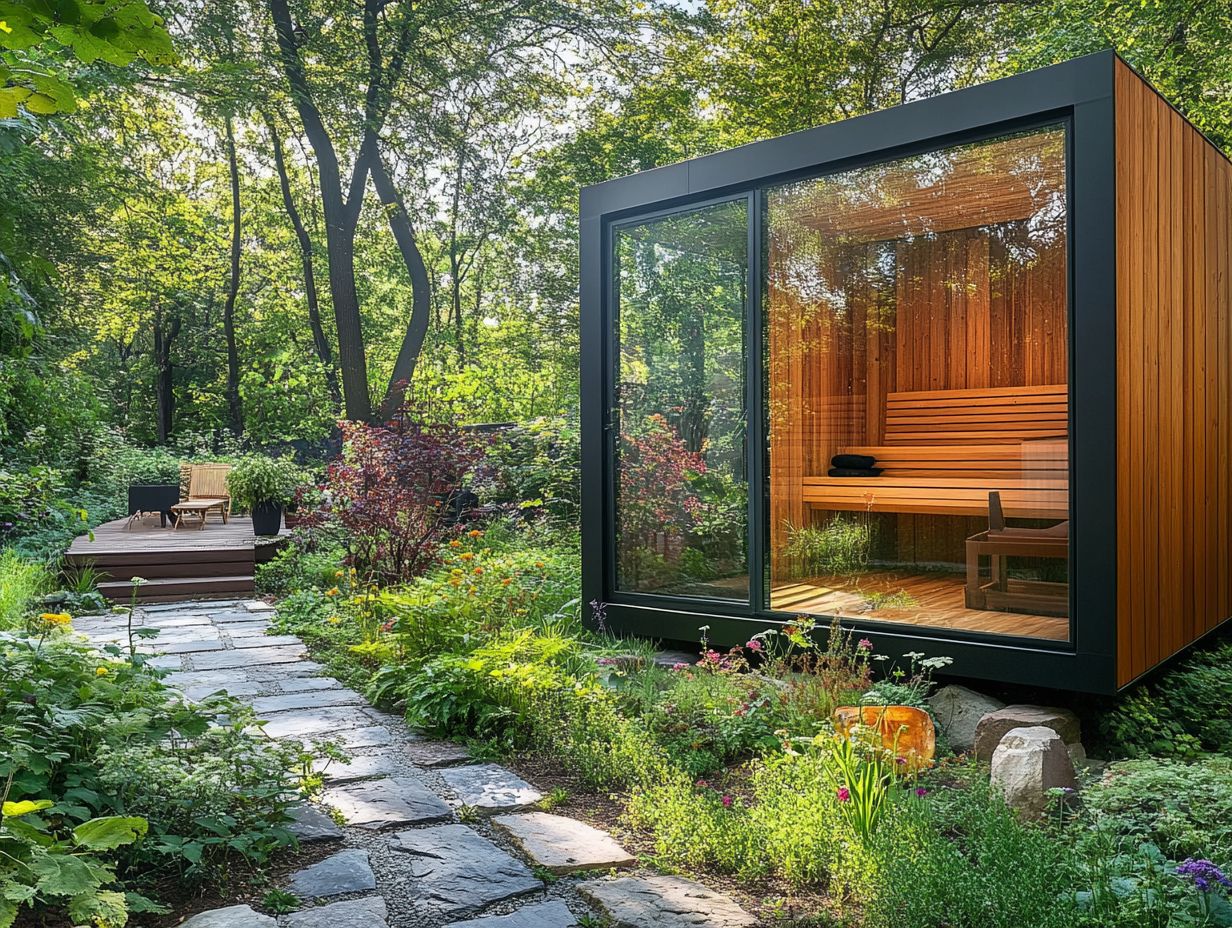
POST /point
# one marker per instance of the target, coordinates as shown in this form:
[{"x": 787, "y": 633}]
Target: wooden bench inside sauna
[{"x": 997, "y": 452}]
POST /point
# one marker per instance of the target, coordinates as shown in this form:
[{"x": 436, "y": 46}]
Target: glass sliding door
[
  {"x": 916, "y": 316},
  {"x": 680, "y": 293}
]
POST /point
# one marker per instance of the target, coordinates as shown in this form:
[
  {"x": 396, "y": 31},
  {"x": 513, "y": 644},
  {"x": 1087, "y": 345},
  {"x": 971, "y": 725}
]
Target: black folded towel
[
  {"x": 853, "y": 461},
  {"x": 855, "y": 471}
]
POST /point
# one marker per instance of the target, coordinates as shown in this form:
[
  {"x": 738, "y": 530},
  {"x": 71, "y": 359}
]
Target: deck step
[{"x": 162, "y": 589}]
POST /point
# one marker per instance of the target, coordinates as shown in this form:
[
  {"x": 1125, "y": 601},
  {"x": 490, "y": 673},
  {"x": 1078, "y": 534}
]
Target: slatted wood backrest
[
  {"x": 1007, "y": 433},
  {"x": 998, "y": 415},
  {"x": 209, "y": 481}
]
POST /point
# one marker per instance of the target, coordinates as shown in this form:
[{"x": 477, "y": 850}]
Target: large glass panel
[
  {"x": 917, "y": 351},
  {"x": 681, "y": 487}
]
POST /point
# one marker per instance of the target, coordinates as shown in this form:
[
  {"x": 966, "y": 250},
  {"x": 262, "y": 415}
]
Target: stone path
[{"x": 403, "y": 859}]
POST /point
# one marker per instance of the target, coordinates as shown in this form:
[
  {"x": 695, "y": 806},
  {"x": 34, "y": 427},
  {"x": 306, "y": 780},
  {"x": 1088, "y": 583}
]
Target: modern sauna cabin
[{"x": 957, "y": 373}]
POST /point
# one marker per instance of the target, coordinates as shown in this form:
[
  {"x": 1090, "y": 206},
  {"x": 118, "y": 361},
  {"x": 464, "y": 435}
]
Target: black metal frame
[{"x": 1078, "y": 93}]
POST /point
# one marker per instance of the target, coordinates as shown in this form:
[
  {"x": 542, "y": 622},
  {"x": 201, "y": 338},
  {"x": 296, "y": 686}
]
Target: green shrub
[
  {"x": 707, "y": 718},
  {"x": 99, "y": 736},
  {"x": 961, "y": 859},
  {"x": 1183, "y": 711},
  {"x": 1185, "y": 809},
  {"x": 256, "y": 479},
  {"x": 296, "y": 568},
  {"x": 22, "y": 582}
]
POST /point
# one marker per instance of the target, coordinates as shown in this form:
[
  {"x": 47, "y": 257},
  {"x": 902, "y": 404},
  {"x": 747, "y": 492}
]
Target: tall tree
[
  {"x": 235, "y": 411},
  {"x": 320, "y": 342}
]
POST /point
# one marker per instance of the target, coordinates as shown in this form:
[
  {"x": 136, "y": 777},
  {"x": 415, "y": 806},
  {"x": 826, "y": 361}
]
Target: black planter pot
[{"x": 266, "y": 518}]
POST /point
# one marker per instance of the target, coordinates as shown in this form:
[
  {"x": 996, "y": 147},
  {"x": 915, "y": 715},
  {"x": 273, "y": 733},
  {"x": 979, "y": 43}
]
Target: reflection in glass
[
  {"x": 681, "y": 489},
  {"x": 916, "y": 326}
]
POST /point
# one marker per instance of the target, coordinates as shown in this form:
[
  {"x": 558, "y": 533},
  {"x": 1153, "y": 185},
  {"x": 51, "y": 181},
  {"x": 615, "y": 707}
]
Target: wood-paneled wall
[{"x": 1174, "y": 380}]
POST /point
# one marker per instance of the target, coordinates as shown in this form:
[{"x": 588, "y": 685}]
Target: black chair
[{"x": 147, "y": 498}]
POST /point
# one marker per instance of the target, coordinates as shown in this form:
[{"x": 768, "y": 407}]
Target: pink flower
[
  {"x": 753, "y": 645},
  {"x": 713, "y": 656},
  {"x": 680, "y": 666},
  {"x": 865, "y": 645},
  {"x": 844, "y": 794},
  {"x": 727, "y": 802},
  {"x": 702, "y": 784}
]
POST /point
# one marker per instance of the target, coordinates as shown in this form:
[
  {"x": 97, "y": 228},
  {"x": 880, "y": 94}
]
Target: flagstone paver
[
  {"x": 438, "y": 872},
  {"x": 369, "y": 912},
  {"x": 310, "y": 825},
  {"x": 345, "y": 872},
  {"x": 563, "y": 845},
  {"x": 490, "y": 788},
  {"x": 553, "y": 914},
  {"x": 664, "y": 902},
  {"x": 247, "y": 657},
  {"x": 437, "y": 753},
  {"x": 233, "y": 916},
  {"x": 390, "y": 801},
  {"x": 309, "y": 699},
  {"x": 359, "y": 767},
  {"x": 457, "y": 872}
]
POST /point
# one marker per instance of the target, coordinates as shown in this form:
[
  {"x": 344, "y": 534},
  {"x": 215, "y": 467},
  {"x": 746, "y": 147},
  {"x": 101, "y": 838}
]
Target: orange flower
[
  {"x": 455, "y": 544},
  {"x": 507, "y": 581},
  {"x": 474, "y": 533},
  {"x": 478, "y": 571},
  {"x": 467, "y": 556}
]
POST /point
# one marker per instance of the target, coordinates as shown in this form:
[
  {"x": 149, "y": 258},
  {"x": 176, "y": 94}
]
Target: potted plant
[{"x": 263, "y": 486}]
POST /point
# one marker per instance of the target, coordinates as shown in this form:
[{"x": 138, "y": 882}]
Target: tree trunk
[
  {"x": 421, "y": 300},
  {"x": 164, "y": 384},
  {"x": 321, "y": 343},
  {"x": 340, "y": 217},
  {"x": 234, "y": 411}
]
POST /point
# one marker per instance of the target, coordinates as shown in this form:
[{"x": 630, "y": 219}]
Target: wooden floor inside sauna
[{"x": 936, "y": 600}]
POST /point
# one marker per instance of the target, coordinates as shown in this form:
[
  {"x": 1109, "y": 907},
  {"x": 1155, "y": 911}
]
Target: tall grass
[{"x": 22, "y": 581}]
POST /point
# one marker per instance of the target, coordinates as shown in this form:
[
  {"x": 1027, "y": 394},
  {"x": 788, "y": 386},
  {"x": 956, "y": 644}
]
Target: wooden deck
[
  {"x": 217, "y": 561},
  {"x": 933, "y": 599}
]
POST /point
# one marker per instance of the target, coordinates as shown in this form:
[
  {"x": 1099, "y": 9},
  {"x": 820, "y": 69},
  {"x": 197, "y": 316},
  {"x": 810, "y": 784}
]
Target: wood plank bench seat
[{"x": 945, "y": 450}]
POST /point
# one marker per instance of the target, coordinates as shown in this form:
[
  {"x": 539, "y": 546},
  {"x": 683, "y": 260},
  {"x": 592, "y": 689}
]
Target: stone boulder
[
  {"x": 1027, "y": 764},
  {"x": 958, "y": 711},
  {"x": 994, "y": 726}
]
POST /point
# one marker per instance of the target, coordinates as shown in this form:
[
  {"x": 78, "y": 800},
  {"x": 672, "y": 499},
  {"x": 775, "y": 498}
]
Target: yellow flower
[
  {"x": 332, "y": 592},
  {"x": 101, "y": 671},
  {"x": 337, "y": 573},
  {"x": 56, "y": 618},
  {"x": 334, "y": 619},
  {"x": 467, "y": 556},
  {"x": 474, "y": 533},
  {"x": 455, "y": 581}
]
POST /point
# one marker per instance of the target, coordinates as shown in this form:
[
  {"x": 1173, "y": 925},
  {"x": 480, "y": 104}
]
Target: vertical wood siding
[{"x": 1174, "y": 380}]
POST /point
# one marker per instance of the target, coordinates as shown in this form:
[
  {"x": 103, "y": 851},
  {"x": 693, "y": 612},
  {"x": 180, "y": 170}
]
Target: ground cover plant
[{"x": 117, "y": 790}]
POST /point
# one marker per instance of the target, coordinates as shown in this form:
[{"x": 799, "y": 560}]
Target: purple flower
[
  {"x": 1205, "y": 875},
  {"x": 921, "y": 791},
  {"x": 844, "y": 794}
]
